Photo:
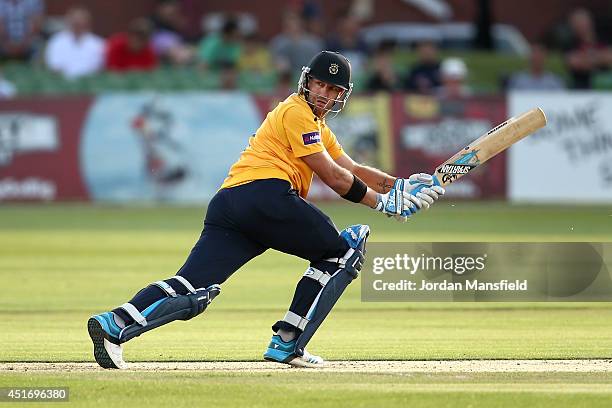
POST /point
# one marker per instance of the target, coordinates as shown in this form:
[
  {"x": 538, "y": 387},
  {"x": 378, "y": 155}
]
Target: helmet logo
[{"x": 333, "y": 69}]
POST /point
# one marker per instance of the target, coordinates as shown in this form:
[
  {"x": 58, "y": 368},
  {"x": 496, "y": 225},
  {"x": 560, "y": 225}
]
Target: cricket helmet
[{"x": 333, "y": 68}]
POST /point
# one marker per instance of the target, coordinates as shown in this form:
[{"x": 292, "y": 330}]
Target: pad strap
[
  {"x": 134, "y": 313},
  {"x": 185, "y": 283},
  {"x": 318, "y": 275},
  {"x": 342, "y": 261},
  {"x": 295, "y": 320},
  {"x": 166, "y": 288}
]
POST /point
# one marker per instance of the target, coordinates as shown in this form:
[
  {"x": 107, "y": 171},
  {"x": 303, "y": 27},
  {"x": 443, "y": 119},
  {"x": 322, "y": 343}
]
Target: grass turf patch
[{"x": 312, "y": 389}]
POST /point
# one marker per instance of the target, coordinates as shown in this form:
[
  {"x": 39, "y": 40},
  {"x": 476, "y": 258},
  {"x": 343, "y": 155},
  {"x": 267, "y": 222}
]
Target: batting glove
[
  {"x": 398, "y": 202},
  {"x": 424, "y": 187},
  {"x": 409, "y": 196}
]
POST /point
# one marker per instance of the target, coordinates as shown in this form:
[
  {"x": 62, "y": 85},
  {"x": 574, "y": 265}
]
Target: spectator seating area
[
  {"x": 486, "y": 72},
  {"x": 37, "y": 80},
  {"x": 155, "y": 53}
]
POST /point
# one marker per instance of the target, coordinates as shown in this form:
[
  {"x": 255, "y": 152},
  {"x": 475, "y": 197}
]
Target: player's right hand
[
  {"x": 398, "y": 202},
  {"x": 423, "y": 187}
]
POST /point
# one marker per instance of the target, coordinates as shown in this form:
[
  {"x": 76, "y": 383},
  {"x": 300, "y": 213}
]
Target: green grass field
[{"x": 61, "y": 263}]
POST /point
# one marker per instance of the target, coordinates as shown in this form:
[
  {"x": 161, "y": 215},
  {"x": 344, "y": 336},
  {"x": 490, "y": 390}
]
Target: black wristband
[{"x": 357, "y": 191}]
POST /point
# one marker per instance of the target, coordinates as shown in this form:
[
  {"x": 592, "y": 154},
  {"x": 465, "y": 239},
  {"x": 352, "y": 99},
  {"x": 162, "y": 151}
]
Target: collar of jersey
[{"x": 305, "y": 104}]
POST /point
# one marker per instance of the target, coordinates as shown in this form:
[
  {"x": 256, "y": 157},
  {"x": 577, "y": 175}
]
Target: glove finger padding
[
  {"x": 432, "y": 193},
  {"x": 420, "y": 178},
  {"x": 438, "y": 189},
  {"x": 428, "y": 195},
  {"x": 426, "y": 200},
  {"x": 411, "y": 201},
  {"x": 410, "y": 204}
]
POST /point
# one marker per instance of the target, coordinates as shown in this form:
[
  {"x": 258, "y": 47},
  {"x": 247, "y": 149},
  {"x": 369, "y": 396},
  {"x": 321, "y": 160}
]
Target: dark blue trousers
[{"x": 241, "y": 223}]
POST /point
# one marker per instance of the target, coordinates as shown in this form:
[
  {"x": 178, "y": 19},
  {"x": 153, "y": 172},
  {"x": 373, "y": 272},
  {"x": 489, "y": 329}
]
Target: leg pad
[
  {"x": 333, "y": 286},
  {"x": 166, "y": 310}
]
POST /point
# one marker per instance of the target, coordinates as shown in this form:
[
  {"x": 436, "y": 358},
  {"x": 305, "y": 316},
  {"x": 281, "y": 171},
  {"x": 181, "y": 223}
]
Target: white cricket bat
[{"x": 488, "y": 145}]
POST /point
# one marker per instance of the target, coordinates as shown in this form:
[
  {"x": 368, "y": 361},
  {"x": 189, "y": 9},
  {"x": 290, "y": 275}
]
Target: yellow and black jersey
[{"x": 289, "y": 132}]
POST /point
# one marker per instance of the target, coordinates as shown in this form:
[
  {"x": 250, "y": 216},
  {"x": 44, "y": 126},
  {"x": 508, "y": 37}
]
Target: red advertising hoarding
[
  {"x": 427, "y": 131},
  {"x": 39, "y": 149},
  {"x": 68, "y": 148}
]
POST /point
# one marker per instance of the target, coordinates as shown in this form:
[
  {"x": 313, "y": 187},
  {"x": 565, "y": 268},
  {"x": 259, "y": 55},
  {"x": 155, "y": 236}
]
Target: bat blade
[{"x": 490, "y": 144}]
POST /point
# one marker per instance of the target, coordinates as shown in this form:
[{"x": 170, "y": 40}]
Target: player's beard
[{"x": 320, "y": 107}]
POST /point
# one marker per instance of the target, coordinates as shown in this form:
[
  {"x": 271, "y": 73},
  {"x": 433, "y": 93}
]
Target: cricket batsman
[{"x": 262, "y": 205}]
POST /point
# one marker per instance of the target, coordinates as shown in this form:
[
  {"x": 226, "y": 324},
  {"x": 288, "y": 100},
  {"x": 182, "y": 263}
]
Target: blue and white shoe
[
  {"x": 104, "y": 333},
  {"x": 283, "y": 352}
]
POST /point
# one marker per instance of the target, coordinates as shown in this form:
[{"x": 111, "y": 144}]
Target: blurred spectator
[
  {"x": 424, "y": 77},
  {"x": 586, "y": 54},
  {"x": 75, "y": 51},
  {"x": 131, "y": 50},
  {"x": 20, "y": 26},
  {"x": 255, "y": 57},
  {"x": 168, "y": 39},
  {"x": 293, "y": 47},
  {"x": 228, "y": 76},
  {"x": 285, "y": 85},
  {"x": 363, "y": 9},
  {"x": 7, "y": 89},
  {"x": 349, "y": 42},
  {"x": 218, "y": 50},
  {"x": 312, "y": 18},
  {"x": 453, "y": 74},
  {"x": 383, "y": 76},
  {"x": 168, "y": 17},
  {"x": 536, "y": 77}
]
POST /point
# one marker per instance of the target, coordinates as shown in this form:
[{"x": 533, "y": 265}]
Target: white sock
[
  {"x": 120, "y": 322},
  {"x": 286, "y": 335}
]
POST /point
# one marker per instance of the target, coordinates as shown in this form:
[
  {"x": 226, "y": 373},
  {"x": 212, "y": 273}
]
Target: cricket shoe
[
  {"x": 284, "y": 352},
  {"x": 104, "y": 333}
]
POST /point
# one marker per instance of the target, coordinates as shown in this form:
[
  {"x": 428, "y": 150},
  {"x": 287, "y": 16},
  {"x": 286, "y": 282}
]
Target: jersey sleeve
[
  {"x": 331, "y": 144},
  {"x": 302, "y": 133}
]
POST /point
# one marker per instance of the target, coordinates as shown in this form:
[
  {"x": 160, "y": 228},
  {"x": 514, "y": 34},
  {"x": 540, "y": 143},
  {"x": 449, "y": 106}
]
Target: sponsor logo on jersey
[{"x": 310, "y": 138}]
